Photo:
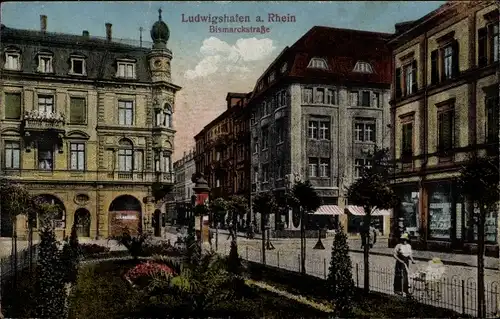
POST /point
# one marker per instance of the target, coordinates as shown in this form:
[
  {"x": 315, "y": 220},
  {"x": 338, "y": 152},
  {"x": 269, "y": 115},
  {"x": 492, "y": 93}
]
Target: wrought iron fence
[
  {"x": 9, "y": 266},
  {"x": 450, "y": 291}
]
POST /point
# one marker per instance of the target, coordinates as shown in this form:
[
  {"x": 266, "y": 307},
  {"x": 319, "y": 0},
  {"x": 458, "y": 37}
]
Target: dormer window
[
  {"x": 363, "y": 67},
  {"x": 78, "y": 65},
  {"x": 272, "y": 76},
  {"x": 45, "y": 63},
  {"x": 318, "y": 63},
  {"x": 12, "y": 60},
  {"x": 126, "y": 69},
  {"x": 284, "y": 68}
]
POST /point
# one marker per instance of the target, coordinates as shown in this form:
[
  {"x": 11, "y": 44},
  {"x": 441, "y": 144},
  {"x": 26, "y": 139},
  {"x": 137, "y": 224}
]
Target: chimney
[
  {"x": 85, "y": 33},
  {"x": 108, "y": 31},
  {"x": 43, "y": 23}
]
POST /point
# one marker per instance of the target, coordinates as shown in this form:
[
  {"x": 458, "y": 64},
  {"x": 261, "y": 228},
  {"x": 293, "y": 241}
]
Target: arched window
[
  {"x": 168, "y": 115},
  {"x": 125, "y": 155},
  {"x": 159, "y": 117}
]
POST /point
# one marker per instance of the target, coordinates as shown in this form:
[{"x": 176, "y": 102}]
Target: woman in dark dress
[{"x": 403, "y": 255}]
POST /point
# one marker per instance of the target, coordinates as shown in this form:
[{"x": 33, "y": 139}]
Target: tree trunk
[
  {"x": 262, "y": 226},
  {"x": 302, "y": 243},
  {"x": 366, "y": 250},
  {"x": 235, "y": 227},
  {"x": 481, "y": 303}
]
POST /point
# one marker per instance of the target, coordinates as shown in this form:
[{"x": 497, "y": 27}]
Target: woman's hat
[{"x": 405, "y": 236}]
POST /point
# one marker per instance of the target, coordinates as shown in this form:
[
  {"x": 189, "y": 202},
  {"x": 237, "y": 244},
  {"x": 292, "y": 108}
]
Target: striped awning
[
  {"x": 329, "y": 210},
  {"x": 360, "y": 211}
]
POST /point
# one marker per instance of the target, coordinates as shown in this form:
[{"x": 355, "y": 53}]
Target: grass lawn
[{"x": 101, "y": 292}]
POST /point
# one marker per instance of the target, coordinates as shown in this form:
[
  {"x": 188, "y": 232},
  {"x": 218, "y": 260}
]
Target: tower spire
[{"x": 159, "y": 14}]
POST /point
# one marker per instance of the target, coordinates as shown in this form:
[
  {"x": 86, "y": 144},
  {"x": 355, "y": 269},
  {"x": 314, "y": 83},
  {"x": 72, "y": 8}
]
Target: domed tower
[{"x": 160, "y": 56}]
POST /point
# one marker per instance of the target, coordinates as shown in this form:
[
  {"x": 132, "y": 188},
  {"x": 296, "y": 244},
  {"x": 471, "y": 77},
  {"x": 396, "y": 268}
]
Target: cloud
[{"x": 219, "y": 56}]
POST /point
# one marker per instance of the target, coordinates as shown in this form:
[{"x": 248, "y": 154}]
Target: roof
[
  {"x": 341, "y": 49},
  {"x": 100, "y": 54}
]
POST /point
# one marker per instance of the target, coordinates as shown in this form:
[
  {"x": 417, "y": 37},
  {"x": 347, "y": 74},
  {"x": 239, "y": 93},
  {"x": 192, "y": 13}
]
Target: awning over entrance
[
  {"x": 329, "y": 210},
  {"x": 360, "y": 211}
]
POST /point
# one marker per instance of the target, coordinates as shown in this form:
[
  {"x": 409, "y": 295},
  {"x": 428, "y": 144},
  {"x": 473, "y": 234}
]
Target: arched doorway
[
  {"x": 125, "y": 214},
  {"x": 157, "y": 223},
  {"x": 58, "y": 218},
  {"x": 82, "y": 222}
]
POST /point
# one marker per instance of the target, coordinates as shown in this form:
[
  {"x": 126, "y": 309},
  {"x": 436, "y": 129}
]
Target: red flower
[{"x": 148, "y": 269}]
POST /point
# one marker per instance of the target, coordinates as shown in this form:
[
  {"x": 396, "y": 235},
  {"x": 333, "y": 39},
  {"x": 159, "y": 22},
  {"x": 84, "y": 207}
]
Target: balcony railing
[
  {"x": 38, "y": 120},
  {"x": 165, "y": 177}
]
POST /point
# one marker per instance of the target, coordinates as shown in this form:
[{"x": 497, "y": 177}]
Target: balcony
[
  {"x": 165, "y": 178},
  {"x": 37, "y": 121}
]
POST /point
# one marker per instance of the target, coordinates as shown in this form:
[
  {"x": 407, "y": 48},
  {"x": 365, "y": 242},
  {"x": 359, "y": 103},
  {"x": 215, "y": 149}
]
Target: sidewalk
[{"x": 381, "y": 249}]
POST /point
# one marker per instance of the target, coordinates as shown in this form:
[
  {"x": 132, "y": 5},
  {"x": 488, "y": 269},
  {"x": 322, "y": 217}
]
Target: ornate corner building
[
  {"x": 444, "y": 107},
  {"x": 87, "y": 124},
  {"x": 317, "y": 113}
]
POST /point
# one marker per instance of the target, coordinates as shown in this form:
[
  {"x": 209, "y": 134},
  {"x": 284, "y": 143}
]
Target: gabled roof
[{"x": 100, "y": 54}]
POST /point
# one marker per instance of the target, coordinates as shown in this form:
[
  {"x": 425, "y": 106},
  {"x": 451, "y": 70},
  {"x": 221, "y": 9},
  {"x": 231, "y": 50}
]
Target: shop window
[{"x": 440, "y": 211}]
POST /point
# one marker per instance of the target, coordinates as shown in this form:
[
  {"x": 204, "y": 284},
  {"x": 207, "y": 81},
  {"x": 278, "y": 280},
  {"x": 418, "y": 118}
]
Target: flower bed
[
  {"x": 142, "y": 273},
  {"x": 92, "y": 249}
]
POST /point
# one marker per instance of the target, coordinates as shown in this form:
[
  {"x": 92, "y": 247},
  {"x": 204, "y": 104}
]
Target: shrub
[
  {"x": 233, "y": 261},
  {"x": 146, "y": 271},
  {"x": 92, "y": 249},
  {"x": 161, "y": 248}
]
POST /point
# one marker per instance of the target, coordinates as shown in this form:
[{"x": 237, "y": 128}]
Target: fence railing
[
  {"x": 8, "y": 265},
  {"x": 454, "y": 292}
]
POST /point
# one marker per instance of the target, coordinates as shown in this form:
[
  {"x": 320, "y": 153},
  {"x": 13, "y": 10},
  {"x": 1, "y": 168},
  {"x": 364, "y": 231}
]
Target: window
[
  {"x": 272, "y": 76},
  {"x": 354, "y": 97},
  {"x": 361, "y": 164},
  {"x": 168, "y": 116},
  {"x": 138, "y": 160},
  {"x": 488, "y": 44},
  {"x": 445, "y": 130},
  {"x": 331, "y": 97},
  {"x": 283, "y": 99},
  {"x": 307, "y": 95},
  {"x": 324, "y": 167},
  {"x": 279, "y": 131},
  {"x": 167, "y": 164},
  {"x": 126, "y": 70},
  {"x": 410, "y": 72},
  {"x": 324, "y": 130},
  {"x": 313, "y": 167},
  {"x": 125, "y": 156},
  {"x": 12, "y": 106},
  {"x": 264, "y": 108},
  {"x": 312, "y": 130},
  {"x": 280, "y": 169},
  {"x": 376, "y": 99},
  {"x": 12, "y": 155},
  {"x": 252, "y": 119},
  {"x": 318, "y": 63},
  {"x": 407, "y": 139},
  {"x": 265, "y": 173},
  {"x": 492, "y": 110},
  {"x": 265, "y": 138},
  {"x": 125, "y": 112},
  {"x": 77, "y": 66},
  {"x": 77, "y": 156},
  {"x": 45, "y": 64},
  {"x": 255, "y": 145},
  {"x": 444, "y": 62},
  {"x": 319, "y": 97},
  {"x": 364, "y": 132},
  {"x": 77, "y": 108},
  {"x": 256, "y": 174},
  {"x": 365, "y": 100},
  {"x": 363, "y": 67},
  {"x": 283, "y": 68},
  {"x": 45, "y": 156},
  {"x": 12, "y": 61},
  {"x": 45, "y": 104}
]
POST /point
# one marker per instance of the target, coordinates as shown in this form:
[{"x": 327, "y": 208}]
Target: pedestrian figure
[
  {"x": 230, "y": 231},
  {"x": 368, "y": 236},
  {"x": 403, "y": 255}
]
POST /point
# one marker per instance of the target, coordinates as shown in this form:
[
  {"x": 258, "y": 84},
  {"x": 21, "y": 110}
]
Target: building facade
[
  {"x": 222, "y": 149},
  {"x": 184, "y": 169},
  {"x": 444, "y": 107},
  {"x": 87, "y": 125},
  {"x": 318, "y": 112}
]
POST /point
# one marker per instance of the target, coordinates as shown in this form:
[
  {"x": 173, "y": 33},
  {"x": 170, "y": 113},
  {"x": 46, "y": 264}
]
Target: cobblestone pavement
[{"x": 457, "y": 288}]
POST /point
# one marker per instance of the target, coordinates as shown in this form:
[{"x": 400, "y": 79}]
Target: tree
[
  {"x": 339, "y": 282},
  {"x": 238, "y": 207},
  {"x": 218, "y": 207},
  {"x": 70, "y": 256},
  {"x": 478, "y": 182},
  {"x": 265, "y": 204},
  {"x": 51, "y": 276},
  {"x": 308, "y": 201},
  {"x": 233, "y": 260},
  {"x": 372, "y": 191}
]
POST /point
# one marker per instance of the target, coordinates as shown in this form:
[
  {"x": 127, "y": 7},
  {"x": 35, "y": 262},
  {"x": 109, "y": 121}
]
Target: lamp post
[{"x": 319, "y": 244}]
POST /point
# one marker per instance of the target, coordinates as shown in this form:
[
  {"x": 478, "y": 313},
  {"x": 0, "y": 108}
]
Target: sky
[{"x": 208, "y": 65}]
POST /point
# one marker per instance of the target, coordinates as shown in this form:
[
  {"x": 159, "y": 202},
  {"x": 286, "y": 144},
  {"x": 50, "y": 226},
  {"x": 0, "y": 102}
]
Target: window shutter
[
  {"x": 398, "y": 83},
  {"x": 482, "y": 36},
  {"x": 455, "y": 57},
  {"x": 77, "y": 110},
  {"x": 12, "y": 106},
  {"x": 434, "y": 67},
  {"x": 414, "y": 86}
]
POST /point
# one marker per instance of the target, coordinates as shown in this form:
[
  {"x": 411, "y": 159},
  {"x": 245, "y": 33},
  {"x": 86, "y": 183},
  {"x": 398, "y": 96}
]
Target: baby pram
[{"x": 427, "y": 283}]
